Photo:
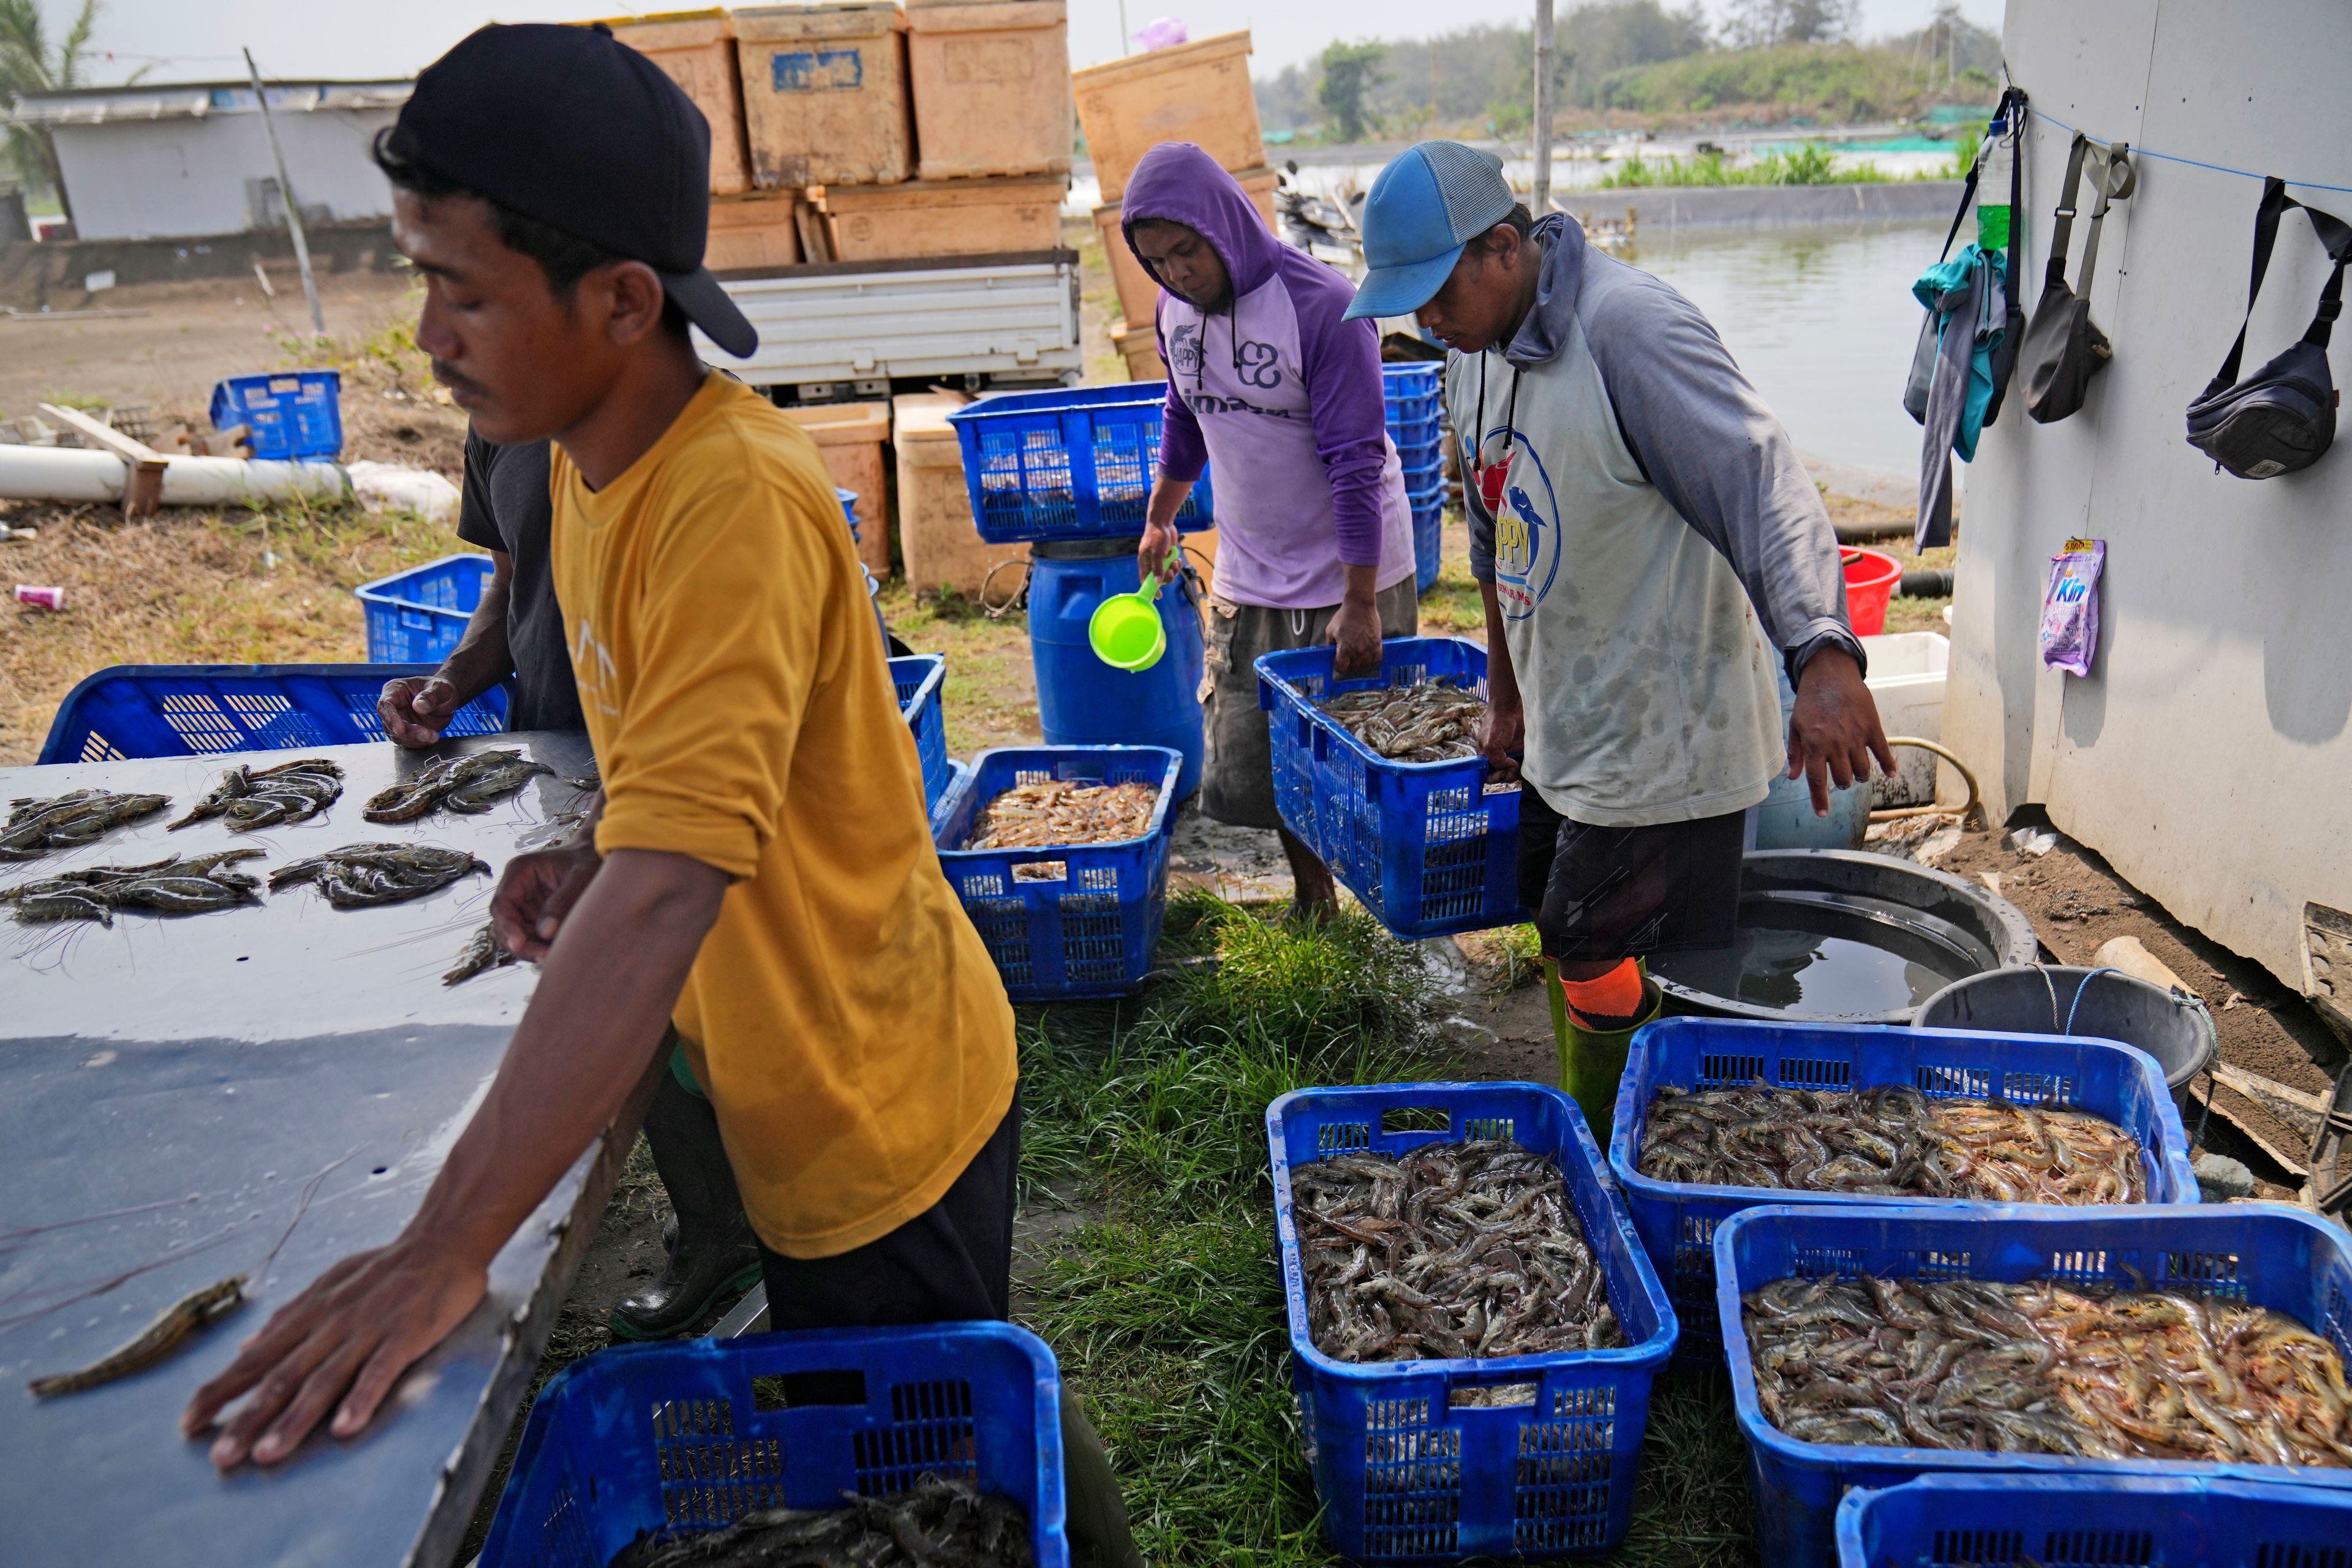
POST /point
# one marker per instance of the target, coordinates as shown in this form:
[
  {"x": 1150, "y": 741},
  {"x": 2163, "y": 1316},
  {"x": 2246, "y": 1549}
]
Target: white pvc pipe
[{"x": 84, "y": 474}]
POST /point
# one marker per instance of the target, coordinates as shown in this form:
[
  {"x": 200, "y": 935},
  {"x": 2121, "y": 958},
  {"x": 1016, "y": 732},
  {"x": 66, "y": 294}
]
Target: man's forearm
[
  {"x": 604, "y": 1001},
  {"x": 1362, "y": 583},
  {"x": 481, "y": 659},
  {"x": 1168, "y": 498},
  {"x": 1502, "y": 681}
]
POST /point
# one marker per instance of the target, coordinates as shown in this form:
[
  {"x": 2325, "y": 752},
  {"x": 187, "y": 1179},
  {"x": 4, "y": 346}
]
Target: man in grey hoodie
[{"x": 1647, "y": 543}]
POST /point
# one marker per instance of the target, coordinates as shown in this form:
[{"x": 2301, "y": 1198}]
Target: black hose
[{"x": 1927, "y": 582}]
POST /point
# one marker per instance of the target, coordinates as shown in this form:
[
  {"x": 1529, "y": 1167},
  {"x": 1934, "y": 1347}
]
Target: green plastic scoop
[{"x": 1125, "y": 631}]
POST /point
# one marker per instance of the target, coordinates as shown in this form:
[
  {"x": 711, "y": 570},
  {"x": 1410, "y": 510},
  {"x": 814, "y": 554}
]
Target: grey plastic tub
[{"x": 2068, "y": 999}]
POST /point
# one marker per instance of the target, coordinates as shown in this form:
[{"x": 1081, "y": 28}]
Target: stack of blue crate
[{"x": 1417, "y": 426}]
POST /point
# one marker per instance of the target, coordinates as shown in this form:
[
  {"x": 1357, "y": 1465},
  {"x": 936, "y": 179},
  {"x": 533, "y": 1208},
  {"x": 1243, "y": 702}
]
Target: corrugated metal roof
[{"x": 194, "y": 101}]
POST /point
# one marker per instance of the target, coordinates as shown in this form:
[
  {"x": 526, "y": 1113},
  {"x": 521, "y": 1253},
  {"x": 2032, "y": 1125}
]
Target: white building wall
[
  {"x": 156, "y": 179},
  {"x": 2208, "y": 755}
]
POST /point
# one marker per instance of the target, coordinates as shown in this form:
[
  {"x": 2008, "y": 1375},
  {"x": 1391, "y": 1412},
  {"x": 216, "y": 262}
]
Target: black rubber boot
[{"x": 711, "y": 1250}]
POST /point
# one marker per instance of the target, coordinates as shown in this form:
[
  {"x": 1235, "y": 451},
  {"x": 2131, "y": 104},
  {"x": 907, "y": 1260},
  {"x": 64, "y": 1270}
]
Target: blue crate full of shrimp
[
  {"x": 919, "y": 677},
  {"x": 2093, "y": 1521},
  {"x": 293, "y": 414},
  {"x": 1063, "y": 920},
  {"x": 1410, "y": 1464},
  {"x": 2108, "y": 1078},
  {"x": 1070, "y": 463},
  {"x": 687, "y": 1437},
  {"x": 202, "y": 709},
  {"x": 1430, "y": 849},
  {"x": 419, "y": 616},
  {"x": 2245, "y": 1254}
]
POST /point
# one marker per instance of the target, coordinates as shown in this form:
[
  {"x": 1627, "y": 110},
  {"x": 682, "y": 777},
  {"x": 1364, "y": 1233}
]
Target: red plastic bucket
[{"x": 1870, "y": 579}]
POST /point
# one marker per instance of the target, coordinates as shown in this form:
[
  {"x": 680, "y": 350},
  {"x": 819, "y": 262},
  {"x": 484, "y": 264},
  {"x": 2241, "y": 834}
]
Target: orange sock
[{"x": 1606, "y": 1002}]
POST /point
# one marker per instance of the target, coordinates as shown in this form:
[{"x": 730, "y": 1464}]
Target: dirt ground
[{"x": 186, "y": 337}]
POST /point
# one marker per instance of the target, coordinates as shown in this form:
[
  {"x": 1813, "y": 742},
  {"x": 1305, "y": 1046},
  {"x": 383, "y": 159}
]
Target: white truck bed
[{"x": 1002, "y": 317}]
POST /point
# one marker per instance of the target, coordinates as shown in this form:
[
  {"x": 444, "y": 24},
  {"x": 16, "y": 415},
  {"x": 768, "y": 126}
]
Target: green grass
[
  {"x": 1811, "y": 164},
  {"x": 1168, "y": 1316}
]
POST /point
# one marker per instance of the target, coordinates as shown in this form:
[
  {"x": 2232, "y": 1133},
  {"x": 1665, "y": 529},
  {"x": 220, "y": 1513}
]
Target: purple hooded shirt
[{"x": 1281, "y": 392}]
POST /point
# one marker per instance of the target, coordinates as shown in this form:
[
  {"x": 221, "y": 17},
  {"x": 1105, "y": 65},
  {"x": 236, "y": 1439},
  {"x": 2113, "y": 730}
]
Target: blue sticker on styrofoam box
[{"x": 817, "y": 70}]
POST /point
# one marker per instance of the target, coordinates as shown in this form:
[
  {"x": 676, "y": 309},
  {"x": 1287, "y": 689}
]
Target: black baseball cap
[{"x": 573, "y": 128}]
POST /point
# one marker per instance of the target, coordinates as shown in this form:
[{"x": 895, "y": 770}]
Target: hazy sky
[{"x": 194, "y": 40}]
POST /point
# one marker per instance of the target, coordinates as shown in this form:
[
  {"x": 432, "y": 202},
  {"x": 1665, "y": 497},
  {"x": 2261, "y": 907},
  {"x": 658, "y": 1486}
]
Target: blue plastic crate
[
  {"x": 1677, "y": 1220},
  {"x": 694, "y": 1434},
  {"x": 1071, "y": 463},
  {"x": 419, "y": 615},
  {"x": 200, "y": 710},
  {"x": 1413, "y": 392},
  {"x": 1429, "y": 848},
  {"x": 1428, "y": 549},
  {"x": 1421, "y": 454},
  {"x": 1424, "y": 475},
  {"x": 1404, "y": 1474},
  {"x": 1079, "y": 920},
  {"x": 918, "y": 678},
  {"x": 293, "y": 414},
  {"x": 2106, "y": 1521},
  {"x": 2266, "y": 1254},
  {"x": 957, "y": 772}
]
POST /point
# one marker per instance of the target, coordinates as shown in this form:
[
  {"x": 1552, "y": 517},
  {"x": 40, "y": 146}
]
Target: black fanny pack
[
  {"x": 2281, "y": 417},
  {"x": 2063, "y": 347}
]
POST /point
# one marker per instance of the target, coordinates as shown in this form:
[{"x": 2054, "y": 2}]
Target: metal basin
[{"x": 1829, "y": 935}]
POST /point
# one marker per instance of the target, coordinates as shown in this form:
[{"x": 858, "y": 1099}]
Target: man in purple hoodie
[{"x": 1267, "y": 378}]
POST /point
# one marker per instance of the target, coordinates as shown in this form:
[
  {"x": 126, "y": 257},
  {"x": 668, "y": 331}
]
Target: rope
[
  {"x": 2192, "y": 162},
  {"x": 2085, "y": 986}
]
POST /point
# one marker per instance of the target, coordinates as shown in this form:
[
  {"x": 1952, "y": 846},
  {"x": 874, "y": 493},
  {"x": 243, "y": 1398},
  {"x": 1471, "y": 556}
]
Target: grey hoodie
[{"x": 1652, "y": 500}]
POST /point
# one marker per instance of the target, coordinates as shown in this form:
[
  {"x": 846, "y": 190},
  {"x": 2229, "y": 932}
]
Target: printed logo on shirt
[
  {"x": 593, "y": 670},
  {"x": 1210, "y": 403},
  {"x": 1255, "y": 364},
  {"x": 1527, "y": 531},
  {"x": 1184, "y": 349}
]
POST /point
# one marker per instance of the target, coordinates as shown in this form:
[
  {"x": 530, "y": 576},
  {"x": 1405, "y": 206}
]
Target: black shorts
[
  {"x": 1620, "y": 892},
  {"x": 952, "y": 1263}
]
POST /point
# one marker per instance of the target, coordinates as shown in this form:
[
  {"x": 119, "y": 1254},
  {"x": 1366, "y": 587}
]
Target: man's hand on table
[
  {"x": 1834, "y": 732},
  {"x": 341, "y": 1345},
  {"x": 416, "y": 709},
  {"x": 535, "y": 893}
]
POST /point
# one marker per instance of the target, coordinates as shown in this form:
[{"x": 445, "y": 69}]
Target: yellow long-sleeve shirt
[{"x": 843, "y": 1015}]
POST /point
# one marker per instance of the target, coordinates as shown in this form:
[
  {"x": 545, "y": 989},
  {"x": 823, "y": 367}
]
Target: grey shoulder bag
[{"x": 2063, "y": 347}]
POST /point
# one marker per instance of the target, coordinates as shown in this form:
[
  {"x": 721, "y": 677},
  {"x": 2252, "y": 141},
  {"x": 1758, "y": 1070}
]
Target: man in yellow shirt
[{"x": 761, "y": 876}]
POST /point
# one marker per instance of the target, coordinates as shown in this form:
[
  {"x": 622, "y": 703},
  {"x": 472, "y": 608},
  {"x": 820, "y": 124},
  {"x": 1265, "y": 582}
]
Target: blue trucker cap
[{"x": 1425, "y": 206}]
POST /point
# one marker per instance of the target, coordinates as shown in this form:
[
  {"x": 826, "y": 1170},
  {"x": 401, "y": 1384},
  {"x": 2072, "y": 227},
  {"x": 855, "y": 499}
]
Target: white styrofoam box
[{"x": 1906, "y": 679}]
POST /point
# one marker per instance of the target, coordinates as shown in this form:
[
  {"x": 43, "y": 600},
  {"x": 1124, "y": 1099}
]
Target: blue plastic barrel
[{"x": 1081, "y": 701}]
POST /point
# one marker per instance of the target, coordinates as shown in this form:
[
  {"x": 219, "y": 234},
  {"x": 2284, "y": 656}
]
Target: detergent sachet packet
[{"x": 2070, "y": 606}]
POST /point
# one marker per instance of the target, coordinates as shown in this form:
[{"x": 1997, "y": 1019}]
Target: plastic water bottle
[{"x": 1993, "y": 185}]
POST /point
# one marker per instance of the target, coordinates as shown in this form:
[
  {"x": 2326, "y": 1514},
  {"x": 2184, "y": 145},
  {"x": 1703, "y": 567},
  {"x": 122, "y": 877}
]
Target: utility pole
[
  {"x": 1542, "y": 204},
  {"x": 285, "y": 194}
]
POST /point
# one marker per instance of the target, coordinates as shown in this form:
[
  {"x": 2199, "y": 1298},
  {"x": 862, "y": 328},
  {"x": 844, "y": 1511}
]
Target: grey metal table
[{"x": 168, "y": 1090}]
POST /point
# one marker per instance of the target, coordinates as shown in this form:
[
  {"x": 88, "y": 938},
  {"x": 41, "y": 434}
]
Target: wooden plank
[{"x": 105, "y": 435}]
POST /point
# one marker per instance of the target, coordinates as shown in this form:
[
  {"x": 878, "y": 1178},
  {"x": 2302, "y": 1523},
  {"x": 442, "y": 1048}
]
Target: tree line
[{"x": 1608, "y": 55}]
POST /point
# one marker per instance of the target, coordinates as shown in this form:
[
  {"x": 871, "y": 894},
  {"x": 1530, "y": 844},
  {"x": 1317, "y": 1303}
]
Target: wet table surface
[{"x": 170, "y": 1089}]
